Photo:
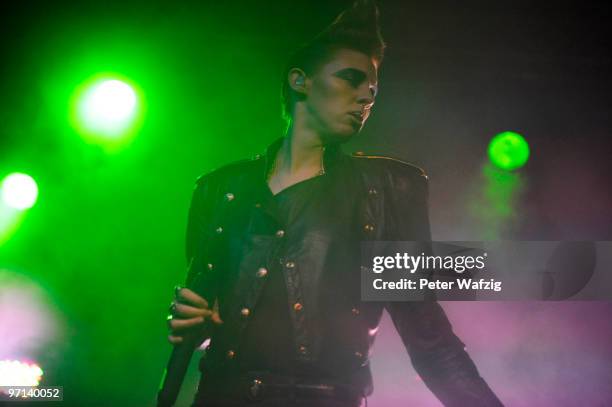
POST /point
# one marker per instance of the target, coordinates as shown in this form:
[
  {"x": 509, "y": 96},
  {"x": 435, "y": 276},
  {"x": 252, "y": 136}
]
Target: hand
[{"x": 190, "y": 315}]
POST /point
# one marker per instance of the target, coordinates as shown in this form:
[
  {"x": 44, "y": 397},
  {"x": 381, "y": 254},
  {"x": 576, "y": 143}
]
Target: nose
[{"x": 367, "y": 94}]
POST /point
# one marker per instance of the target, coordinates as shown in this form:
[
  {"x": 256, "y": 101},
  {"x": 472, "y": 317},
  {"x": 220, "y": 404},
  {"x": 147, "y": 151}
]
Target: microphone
[{"x": 201, "y": 282}]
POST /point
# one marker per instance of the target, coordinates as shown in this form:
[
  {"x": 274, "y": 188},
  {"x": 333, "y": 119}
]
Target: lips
[{"x": 357, "y": 115}]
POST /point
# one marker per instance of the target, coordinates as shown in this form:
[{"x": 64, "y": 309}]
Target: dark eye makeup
[{"x": 355, "y": 77}]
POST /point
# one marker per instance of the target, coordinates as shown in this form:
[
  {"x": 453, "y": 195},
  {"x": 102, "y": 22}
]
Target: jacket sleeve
[
  {"x": 437, "y": 354},
  {"x": 197, "y": 248}
]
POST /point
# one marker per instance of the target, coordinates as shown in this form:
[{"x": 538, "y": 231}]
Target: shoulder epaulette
[
  {"x": 361, "y": 154},
  {"x": 223, "y": 169}
]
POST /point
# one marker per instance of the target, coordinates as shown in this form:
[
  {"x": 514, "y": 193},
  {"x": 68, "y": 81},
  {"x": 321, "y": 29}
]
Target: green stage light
[
  {"x": 508, "y": 150},
  {"x": 19, "y": 191},
  {"x": 107, "y": 110},
  {"x": 109, "y": 106}
]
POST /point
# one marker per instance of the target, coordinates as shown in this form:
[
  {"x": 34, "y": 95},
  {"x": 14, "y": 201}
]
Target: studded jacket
[{"x": 234, "y": 238}]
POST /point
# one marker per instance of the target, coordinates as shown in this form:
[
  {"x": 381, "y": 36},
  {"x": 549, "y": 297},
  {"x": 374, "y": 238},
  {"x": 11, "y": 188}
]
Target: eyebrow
[{"x": 359, "y": 74}]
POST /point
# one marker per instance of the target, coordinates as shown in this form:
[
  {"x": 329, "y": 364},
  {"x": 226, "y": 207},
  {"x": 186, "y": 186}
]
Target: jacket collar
[{"x": 331, "y": 156}]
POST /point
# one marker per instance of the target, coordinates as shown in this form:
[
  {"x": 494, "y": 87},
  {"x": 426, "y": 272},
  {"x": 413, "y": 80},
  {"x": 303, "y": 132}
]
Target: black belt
[
  {"x": 256, "y": 386},
  {"x": 258, "y": 389}
]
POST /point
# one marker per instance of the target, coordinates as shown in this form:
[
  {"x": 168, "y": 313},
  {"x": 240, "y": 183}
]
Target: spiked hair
[{"x": 355, "y": 28}]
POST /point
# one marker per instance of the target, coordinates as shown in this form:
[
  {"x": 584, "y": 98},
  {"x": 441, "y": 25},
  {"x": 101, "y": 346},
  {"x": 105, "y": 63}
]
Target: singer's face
[{"x": 341, "y": 93}]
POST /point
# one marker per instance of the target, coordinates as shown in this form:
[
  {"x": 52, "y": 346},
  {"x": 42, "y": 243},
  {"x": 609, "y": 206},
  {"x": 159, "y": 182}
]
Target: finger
[
  {"x": 187, "y": 311},
  {"x": 185, "y": 294},
  {"x": 175, "y": 339},
  {"x": 216, "y": 318},
  {"x": 181, "y": 324}
]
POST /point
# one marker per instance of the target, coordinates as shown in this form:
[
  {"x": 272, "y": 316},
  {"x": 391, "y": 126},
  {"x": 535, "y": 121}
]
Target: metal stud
[
  {"x": 229, "y": 196},
  {"x": 219, "y": 229},
  {"x": 245, "y": 312},
  {"x": 231, "y": 354},
  {"x": 290, "y": 264},
  {"x": 262, "y": 272},
  {"x": 280, "y": 233},
  {"x": 210, "y": 266},
  {"x": 368, "y": 227},
  {"x": 372, "y": 191},
  {"x": 355, "y": 311}
]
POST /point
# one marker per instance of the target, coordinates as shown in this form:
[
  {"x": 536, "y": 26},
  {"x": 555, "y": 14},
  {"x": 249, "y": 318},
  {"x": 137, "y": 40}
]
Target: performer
[{"x": 278, "y": 237}]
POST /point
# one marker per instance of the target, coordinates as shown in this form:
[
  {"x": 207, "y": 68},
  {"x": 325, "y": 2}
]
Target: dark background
[{"x": 105, "y": 241}]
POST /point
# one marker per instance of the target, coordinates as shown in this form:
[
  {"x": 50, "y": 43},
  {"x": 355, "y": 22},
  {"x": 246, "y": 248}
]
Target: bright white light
[
  {"x": 30, "y": 325},
  {"x": 19, "y": 191},
  {"x": 16, "y": 373},
  {"x": 109, "y": 106}
]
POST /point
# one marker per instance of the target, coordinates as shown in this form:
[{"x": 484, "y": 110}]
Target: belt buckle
[{"x": 255, "y": 390}]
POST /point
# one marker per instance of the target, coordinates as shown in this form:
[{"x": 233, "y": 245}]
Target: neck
[{"x": 301, "y": 151}]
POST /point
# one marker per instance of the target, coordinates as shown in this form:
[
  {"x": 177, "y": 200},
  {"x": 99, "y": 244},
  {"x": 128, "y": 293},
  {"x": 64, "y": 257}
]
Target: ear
[{"x": 297, "y": 80}]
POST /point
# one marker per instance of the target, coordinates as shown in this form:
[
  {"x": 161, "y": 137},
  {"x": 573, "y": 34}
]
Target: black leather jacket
[{"x": 233, "y": 238}]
